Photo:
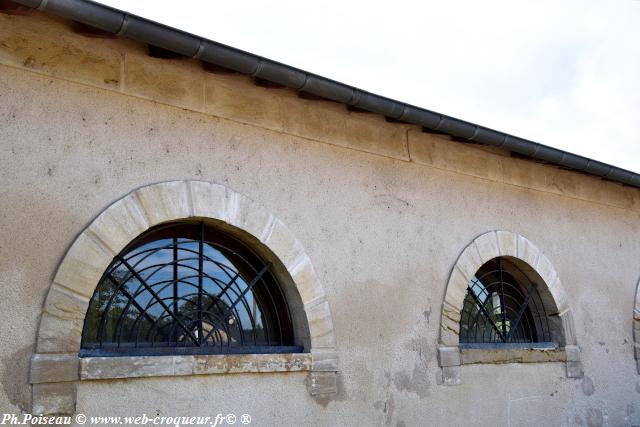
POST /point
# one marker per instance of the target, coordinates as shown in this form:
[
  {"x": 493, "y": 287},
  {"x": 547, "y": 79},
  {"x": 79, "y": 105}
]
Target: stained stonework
[
  {"x": 79, "y": 273},
  {"x": 636, "y": 328},
  {"x": 99, "y": 368}
]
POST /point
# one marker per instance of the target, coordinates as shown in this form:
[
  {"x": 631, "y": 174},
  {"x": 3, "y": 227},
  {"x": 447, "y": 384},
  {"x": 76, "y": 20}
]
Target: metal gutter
[{"x": 125, "y": 24}]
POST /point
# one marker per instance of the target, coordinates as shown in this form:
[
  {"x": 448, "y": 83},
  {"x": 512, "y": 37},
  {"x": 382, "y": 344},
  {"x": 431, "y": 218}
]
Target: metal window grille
[
  {"x": 503, "y": 306},
  {"x": 187, "y": 288}
]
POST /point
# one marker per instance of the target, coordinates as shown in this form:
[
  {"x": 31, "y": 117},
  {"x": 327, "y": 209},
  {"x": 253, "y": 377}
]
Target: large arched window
[
  {"x": 188, "y": 287},
  {"x": 503, "y": 307},
  {"x": 181, "y": 278}
]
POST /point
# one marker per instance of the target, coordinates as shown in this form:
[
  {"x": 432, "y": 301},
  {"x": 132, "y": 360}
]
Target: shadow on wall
[{"x": 15, "y": 377}]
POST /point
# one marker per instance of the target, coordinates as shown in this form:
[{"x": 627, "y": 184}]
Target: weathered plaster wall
[{"x": 382, "y": 210}]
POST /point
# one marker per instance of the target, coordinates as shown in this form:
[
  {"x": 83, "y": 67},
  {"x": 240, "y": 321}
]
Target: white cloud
[{"x": 561, "y": 73}]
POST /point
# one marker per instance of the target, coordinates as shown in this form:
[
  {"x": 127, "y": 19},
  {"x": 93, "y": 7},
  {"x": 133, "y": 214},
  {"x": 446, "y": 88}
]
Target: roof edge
[{"x": 153, "y": 33}]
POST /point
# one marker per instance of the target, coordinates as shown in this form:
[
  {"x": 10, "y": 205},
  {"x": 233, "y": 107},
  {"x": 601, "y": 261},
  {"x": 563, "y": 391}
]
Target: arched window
[
  {"x": 188, "y": 287},
  {"x": 505, "y": 303},
  {"x": 177, "y": 278},
  {"x": 503, "y": 306}
]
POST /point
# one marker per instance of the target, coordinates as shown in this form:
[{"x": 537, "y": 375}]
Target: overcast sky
[{"x": 563, "y": 73}]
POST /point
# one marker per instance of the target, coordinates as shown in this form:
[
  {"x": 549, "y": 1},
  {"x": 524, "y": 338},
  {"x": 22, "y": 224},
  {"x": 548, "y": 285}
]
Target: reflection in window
[
  {"x": 187, "y": 288},
  {"x": 503, "y": 306}
]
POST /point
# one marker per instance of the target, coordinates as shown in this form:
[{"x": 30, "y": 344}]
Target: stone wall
[{"x": 382, "y": 209}]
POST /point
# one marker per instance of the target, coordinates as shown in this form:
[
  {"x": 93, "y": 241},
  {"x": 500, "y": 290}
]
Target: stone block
[
  {"x": 210, "y": 364},
  {"x": 177, "y": 82},
  {"x": 47, "y": 46},
  {"x": 232, "y": 207},
  {"x": 83, "y": 265},
  {"x": 507, "y": 243},
  {"x": 573, "y": 353},
  {"x": 574, "y": 370},
  {"x": 253, "y": 218},
  {"x": 324, "y": 360},
  {"x": 512, "y": 355},
  {"x": 247, "y": 363},
  {"x": 566, "y": 182},
  {"x": 449, "y": 356},
  {"x": 469, "y": 262},
  {"x": 319, "y": 383},
  {"x": 54, "y": 398},
  {"x": 442, "y": 153},
  {"x": 450, "y": 325},
  {"x": 568, "y": 328},
  {"x": 545, "y": 269},
  {"x": 239, "y": 363},
  {"x": 527, "y": 251},
  {"x": 451, "y": 375},
  {"x": 332, "y": 123},
  {"x": 120, "y": 223},
  {"x": 320, "y": 326},
  {"x": 487, "y": 245},
  {"x": 306, "y": 281},
  {"x": 209, "y": 200},
  {"x": 526, "y": 174},
  {"x": 285, "y": 362},
  {"x": 166, "y": 201},
  {"x": 286, "y": 247},
  {"x": 53, "y": 368},
  {"x": 66, "y": 304},
  {"x": 92, "y": 368},
  {"x": 59, "y": 335},
  {"x": 457, "y": 288},
  {"x": 560, "y": 299},
  {"x": 236, "y": 97}
]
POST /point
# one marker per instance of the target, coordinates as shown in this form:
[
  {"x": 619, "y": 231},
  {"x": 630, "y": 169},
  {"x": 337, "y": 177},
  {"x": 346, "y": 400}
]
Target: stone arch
[
  {"x": 482, "y": 249},
  {"x": 55, "y": 367},
  {"x": 636, "y": 328}
]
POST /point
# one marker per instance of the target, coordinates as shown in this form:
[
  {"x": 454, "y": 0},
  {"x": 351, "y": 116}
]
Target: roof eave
[{"x": 144, "y": 30}]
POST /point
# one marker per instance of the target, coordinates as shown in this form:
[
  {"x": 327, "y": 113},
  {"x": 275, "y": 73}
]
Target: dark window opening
[
  {"x": 503, "y": 307},
  {"x": 187, "y": 288}
]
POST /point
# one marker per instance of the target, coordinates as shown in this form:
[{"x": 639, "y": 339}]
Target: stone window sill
[
  {"x": 97, "y": 368},
  {"x": 512, "y": 355}
]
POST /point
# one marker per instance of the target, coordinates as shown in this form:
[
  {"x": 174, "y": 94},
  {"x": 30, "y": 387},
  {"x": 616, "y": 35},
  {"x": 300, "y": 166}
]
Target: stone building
[{"x": 192, "y": 230}]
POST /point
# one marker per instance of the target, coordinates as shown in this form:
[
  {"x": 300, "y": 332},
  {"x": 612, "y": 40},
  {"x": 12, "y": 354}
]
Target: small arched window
[
  {"x": 503, "y": 307},
  {"x": 188, "y": 288}
]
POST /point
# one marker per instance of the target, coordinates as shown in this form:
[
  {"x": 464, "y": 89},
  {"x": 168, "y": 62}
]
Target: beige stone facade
[{"x": 378, "y": 224}]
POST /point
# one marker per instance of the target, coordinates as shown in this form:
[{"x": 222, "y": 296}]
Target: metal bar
[
  {"x": 523, "y": 307},
  {"x": 175, "y": 282},
  {"x": 131, "y": 301},
  {"x": 200, "y": 269},
  {"x": 224, "y": 268},
  {"x": 484, "y": 311},
  {"x": 166, "y": 350},
  {"x": 266, "y": 324},
  {"x": 249, "y": 287},
  {"x": 157, "y": 297},
  {"x": 502, "y": 309}
]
